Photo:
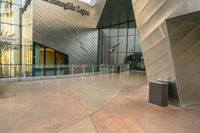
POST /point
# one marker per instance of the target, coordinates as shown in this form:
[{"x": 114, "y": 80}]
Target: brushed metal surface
[
  {"x": 185, "y": 47},
  {"x": 171, "y": 49},
  {"x": 68, "y": 31}
]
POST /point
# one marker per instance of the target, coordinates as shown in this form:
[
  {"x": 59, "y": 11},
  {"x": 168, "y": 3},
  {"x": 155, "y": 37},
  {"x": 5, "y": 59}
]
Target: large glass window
[
  {"x": 123, "y": 29},
  {"x": 114, "y": 30},
  {"x": 15, "y": 54},
  {"x": 119, "y": 44},
  {"x": 41, "y": 56},
  {"x": 46, "y": 56},
  {"x": 50, "y": 57},
  {"x": 10, "y": 36},
  {"x": 5, "y": 58},
  {"x": 9, "y": 13},
  {"x": 60, "y": 59},
  {"x": 27, "y": 36}
]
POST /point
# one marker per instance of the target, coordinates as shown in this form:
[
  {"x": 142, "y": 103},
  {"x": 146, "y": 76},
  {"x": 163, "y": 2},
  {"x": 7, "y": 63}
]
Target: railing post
[
  {"x": 58, "y": 72},
  {"x": 93, "y": 69},
  {"x": 83, "y": 70},
  {"x": 24, "y": 71},
  {"x": 72, "y": 70},
  {"x": 42, "y": 71},
  {"x": 107, "y": 68}
]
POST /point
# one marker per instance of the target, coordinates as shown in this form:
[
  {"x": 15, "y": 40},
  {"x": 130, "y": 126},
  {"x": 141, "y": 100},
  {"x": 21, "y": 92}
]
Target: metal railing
[{"x": 29, "y": 71}]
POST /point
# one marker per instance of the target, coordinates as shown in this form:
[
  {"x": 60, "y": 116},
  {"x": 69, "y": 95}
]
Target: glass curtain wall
[
  {"x": 27, "y": 38},
  {"x": 10, "y": 37},
  {"x": 15, "y": 38},
  {"x": 119, "y": 44},
  {"x": 49, "y": 59},
  {"x": 18, "y": 56}
]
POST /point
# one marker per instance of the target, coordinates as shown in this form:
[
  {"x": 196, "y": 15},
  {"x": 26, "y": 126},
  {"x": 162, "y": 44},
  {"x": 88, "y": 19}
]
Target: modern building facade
[
  {"x": 161, "y": 37},
  {"x": 169, "y": 36}
]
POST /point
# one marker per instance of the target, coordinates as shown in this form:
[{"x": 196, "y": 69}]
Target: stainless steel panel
[
  {"x": 171, "y": 49},
  {"x": 68, "y": 31},
  {"x": 185, "y": 46}
]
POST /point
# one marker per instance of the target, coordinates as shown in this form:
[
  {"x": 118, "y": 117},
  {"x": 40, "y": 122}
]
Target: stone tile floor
[{"x": 95, "y": 104}]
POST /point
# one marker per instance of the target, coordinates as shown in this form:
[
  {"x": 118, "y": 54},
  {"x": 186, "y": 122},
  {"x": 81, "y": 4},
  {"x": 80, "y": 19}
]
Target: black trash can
[{"x": 158, "y": 93}]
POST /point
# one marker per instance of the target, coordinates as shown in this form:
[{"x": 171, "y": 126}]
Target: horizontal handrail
[{"x": 27, "y": 71}]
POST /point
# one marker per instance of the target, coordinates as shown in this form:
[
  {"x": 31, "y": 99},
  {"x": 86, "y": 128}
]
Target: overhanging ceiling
[
  {"x": 191, "y": 17},
  {"x": 115, "y": 12}
]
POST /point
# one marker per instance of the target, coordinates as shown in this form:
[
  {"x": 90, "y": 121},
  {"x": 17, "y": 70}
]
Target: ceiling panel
[{"x": 116, "y": 11}]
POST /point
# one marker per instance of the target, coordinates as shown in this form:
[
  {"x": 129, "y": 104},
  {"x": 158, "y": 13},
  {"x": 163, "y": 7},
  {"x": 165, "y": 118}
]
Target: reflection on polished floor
[{"x": 103, "y": 103}]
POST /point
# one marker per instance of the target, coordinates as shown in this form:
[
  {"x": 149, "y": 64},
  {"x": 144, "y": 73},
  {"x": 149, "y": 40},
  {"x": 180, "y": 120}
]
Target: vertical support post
[
  {"x": 58, "y": 72},
  {"x": 93, "y": 69},
  {"x": 118, "y": 43},
  {"x": 127, "y": 37},
  {"x": 100, "y": 67},
  {"x": 14, "y": 67},
  {"x": 102, "y": 39},
  {"x": 109, "y": 53},
  {"x": 55, "y": 62},
  {"x": 107, "y": 68},
  {"x": 20, "y": 40},
  {"x": 72, "y": 70},
  {"x": 98, "y": 48},
  {"x": 24, "y": 71},
  {"x": 135, "y": 32},
  {"x": 42, "y": 72},
  {"x": 83, "y": 70}
]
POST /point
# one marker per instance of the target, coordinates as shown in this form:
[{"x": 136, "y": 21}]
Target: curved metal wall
[
  {"x": 68, "y": 31},
  {"x": 165, "y": 54}
]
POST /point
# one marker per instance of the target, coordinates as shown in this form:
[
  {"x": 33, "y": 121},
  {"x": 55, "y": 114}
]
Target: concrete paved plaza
[{"x": 113, "y": 103}]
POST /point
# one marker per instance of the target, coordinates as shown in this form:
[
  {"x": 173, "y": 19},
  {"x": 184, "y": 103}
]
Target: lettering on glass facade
[
  {"x": 69, "y": 6},
  {"x": 9, "y": 39}
]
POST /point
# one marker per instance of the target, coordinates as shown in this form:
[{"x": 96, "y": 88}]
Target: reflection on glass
[
  {"x": 114, "y": 30},
  {"x": 105, "y": 58},
  {"x": 123, "y": 43},
  {"x": 27, "y": 54},
  {"x": 131, "y": 44},
  {"x": 6, "y": 57},
  {"x": 132, "y": 28},
  {"x": 47, "y": 56},
  {"x": 10, "y": 37},
  {"x": 113, "y": 58},
  {"x": 106, "y": 32},
  {"x": 123, "y": 29},
  {"x": 59, "y": 58},
  {"x": 9, "y": 12},
  {"x": 106, "y": 44},
  {"x": 121, "y": 58},
  {"x": 15, "y": 54},
  {"x": 118, "y": 47},
  {"x": 50, "y": 57},
  {"x": 41, "y": 56}
]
